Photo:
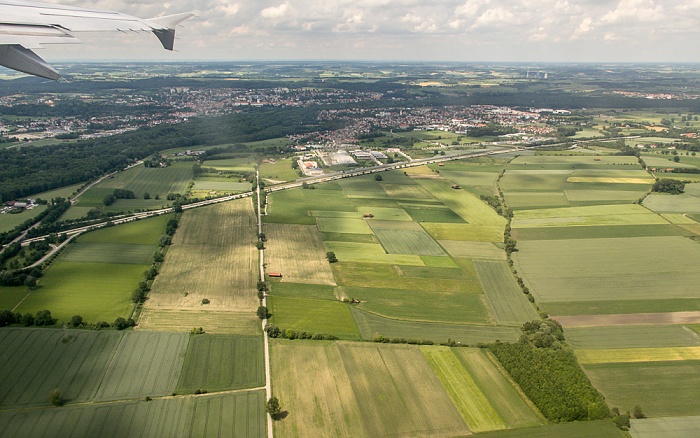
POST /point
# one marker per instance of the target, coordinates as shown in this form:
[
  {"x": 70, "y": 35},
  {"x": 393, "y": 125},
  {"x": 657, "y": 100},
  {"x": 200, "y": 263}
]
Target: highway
[{"x": 286, "y": 186}]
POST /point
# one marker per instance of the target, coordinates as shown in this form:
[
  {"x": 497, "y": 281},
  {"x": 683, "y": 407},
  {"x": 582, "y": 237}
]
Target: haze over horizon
[{"x": 404, "y": 30}]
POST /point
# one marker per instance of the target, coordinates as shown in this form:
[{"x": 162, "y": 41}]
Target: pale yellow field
[
  {"x": 213, "y": 256},
  {"x": 297, "y": 252},
  {"x": 638, "y": 355},
  {"x": 239, "y": 323},
  {"x": 341, "y": 389}
]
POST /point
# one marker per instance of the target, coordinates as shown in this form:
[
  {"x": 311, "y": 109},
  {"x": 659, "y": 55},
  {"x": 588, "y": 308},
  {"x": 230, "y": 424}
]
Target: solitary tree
[
  {"x": 273, "y": 408},
  {"x": 55, "y": 397},
  {"x": 76, "y": 321},
  {"x": 330, "y": 256}
]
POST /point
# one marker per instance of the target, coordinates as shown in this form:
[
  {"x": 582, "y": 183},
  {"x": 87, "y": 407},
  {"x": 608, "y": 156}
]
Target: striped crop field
[{"x": 470, "y": 401}]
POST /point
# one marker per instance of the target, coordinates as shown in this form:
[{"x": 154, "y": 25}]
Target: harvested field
[
  {"x": 473, "y": 250},
  {"x": 317, "y": 380},
  {"x": 372, "y": 325},
  {"x": 213, "y": 256},
  {"x": 398, "y": 393},
  {"x": 470, "y": 401},
  {"x": 212, "y": 321},
  {"x": 509, "y": 303},
  {"x": 629, "y": 319},
  {"x": 297, "y": 251}
]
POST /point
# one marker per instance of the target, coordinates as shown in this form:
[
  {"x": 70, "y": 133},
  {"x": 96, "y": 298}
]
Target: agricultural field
[
  {"x": 469, "y": 399},
  {"x": 509, "y": 303},
  {"x": 140, "y": 180},
  {"x": 662, "y": 389},
  {"x": 95, "y": 276},
  {"x": 9, "y": 221},
  {"x": 383, "y": 390},
  {"x": 89, "y": 365},
  {"x": 371, "y": 326},
  {"x": 222, "y": 362},
  {"x": 209, "y": 241},
  {"x": 278, "y": 171},
  {"x": 297, "y": 252},
  {"x": 192, "y": 416},
  {"x": 313, "y": 316},
  {"x": 646, "y": 336},
  {"x": 620, "y": 267},
  {"x": 666, "y": 426},
  {"x": 579, "y": 429}
]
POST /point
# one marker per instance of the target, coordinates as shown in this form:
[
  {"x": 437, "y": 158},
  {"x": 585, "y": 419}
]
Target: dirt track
[{"x": 629, "y": 319}]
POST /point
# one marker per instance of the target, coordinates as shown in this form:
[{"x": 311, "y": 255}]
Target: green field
[
  {"x": 664, "y": 203},
  {"x": 89, "y": 366},
  {"x": 221, "y": 362},
  {"x": 371, "y": 325},
  {"x": 509, "y": 402},
  {"x": 610, "y": 269},
  {"x": 281, "y": 170},
  {"x": 402, "y": 241},
  {"x": 598, "y": 232},
  {"x": 469, "y": 399},
  {"x": 586, "y": 216},
  {"x": 96, "y": 291},
  {"x": 660, "y": 388},
  {"x": 143, "y": 364},
  {"x": 96, "y": 275},
  {"x": 140, "y": 180},
  {"x": 458, "y": 306},
  {"x": 672, "y": 427},
  {"x": 313, "y": 316},
  {"x": 509, "y": 303},
  {"x": 109, "y": 253},
  {"x": 10, "y": 221},
  {"x": 578, "y": 429},
  {"x": 172, "y": 417},
  {"x": 646, "y": 336},
  {"x": 382, "y": 390},
  {"x": 370, "y": 253}
]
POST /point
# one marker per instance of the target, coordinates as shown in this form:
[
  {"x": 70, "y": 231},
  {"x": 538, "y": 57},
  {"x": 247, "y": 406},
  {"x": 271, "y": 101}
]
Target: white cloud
[
  {"x": 636, "y": 10},
  {"x": 274, "y": 12}
]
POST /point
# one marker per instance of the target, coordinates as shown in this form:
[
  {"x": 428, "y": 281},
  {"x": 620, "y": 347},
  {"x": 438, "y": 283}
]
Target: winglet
[
  {"x": 164, "y": 27},
  {"x": 18, "y": 58}
]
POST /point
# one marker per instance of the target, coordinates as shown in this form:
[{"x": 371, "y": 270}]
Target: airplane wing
[{"x": 25, "y": 26}]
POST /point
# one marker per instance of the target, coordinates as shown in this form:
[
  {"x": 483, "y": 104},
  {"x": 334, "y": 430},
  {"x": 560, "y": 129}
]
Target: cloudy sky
[{"x": 410, "y": 30}]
